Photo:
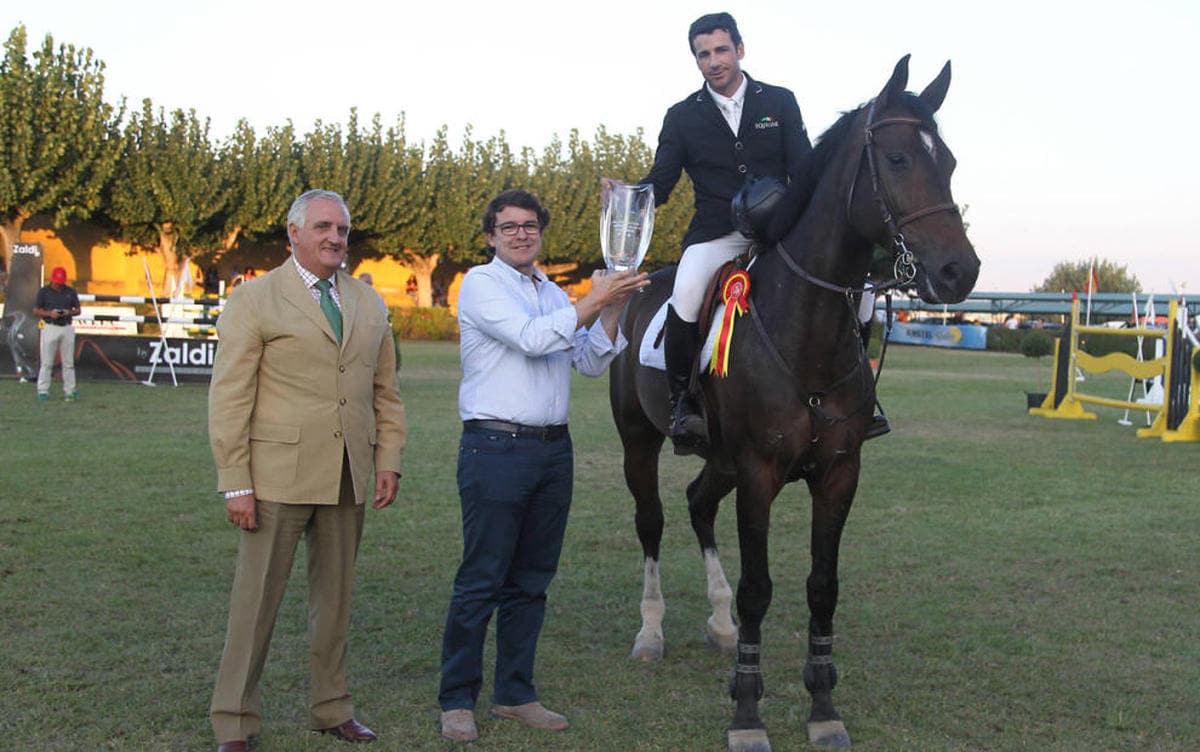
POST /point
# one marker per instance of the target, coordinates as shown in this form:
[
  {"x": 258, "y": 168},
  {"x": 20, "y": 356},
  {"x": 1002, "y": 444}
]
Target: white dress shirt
[
  {"x": 519, "y": 340},
  {"x": 731, "y": 107}
]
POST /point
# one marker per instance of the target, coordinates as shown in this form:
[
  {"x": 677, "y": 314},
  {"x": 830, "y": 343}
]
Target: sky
[{"x": 1073, "y": 123}]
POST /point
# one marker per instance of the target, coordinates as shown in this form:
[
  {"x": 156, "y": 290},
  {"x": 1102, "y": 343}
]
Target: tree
[
  {"x": 1072, "y": 276},
  {"x": 169, "y": 193},
  {"x": 375, "y": 171},
  {"x": 378, "y": 173},
  {"x": 567, "y": 179},
  {"x": 263, "y": 175},
  {"x": 59, "y": 140},
  {"x": 457, "y": 185}
]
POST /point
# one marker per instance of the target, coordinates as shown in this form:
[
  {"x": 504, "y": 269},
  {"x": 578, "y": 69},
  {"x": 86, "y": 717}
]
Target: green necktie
[{"x": 330, "y": 309}]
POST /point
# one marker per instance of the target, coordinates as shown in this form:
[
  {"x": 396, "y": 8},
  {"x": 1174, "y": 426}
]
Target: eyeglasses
[{"x": 510, "y": 228}]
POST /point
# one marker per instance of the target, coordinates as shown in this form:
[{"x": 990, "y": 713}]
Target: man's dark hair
[
  {"x": 710, "y": 22},
  {"x": 518, "y": 198}
]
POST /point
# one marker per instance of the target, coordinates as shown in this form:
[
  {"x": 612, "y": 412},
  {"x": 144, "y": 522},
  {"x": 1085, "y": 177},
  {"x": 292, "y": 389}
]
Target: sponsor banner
[
  {"x": 966, "y": 336},
  {"x": 133, "y": 358}
]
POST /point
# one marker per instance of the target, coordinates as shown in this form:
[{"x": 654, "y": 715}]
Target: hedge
[{"x": 435, "y": 323}]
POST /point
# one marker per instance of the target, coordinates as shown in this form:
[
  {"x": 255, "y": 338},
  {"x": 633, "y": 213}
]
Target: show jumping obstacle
[
  {"x": 1177, "y": 418},
  {"x": 207, "y": 320}
]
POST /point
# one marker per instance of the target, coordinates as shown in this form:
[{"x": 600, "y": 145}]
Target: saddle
[{"x": 651, "y": 352}]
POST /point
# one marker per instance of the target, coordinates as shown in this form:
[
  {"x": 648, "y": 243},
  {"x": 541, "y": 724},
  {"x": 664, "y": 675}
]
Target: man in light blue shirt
[{"x": 520, "y": 338}]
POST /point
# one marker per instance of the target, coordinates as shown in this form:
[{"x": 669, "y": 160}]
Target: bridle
[
  {"x": 904, "y": 269},
  {"x": 904, "y": 266}
]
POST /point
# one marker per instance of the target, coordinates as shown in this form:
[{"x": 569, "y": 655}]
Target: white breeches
[{"x": 696, "y": 269}]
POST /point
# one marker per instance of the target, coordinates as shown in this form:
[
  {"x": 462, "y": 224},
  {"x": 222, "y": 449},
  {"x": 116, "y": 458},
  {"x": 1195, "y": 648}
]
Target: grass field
[{"x": 1008, "y": 582}]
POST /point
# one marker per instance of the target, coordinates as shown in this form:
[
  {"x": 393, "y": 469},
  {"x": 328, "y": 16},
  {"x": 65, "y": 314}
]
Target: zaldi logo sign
[
  {"x": 136, "y": 358},
  {"x": 27, "y": 249},
  {"x": 183, "y": 353}
]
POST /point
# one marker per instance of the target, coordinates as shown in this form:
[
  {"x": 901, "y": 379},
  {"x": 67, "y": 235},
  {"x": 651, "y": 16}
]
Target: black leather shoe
[{"x": 238, "y": 746}]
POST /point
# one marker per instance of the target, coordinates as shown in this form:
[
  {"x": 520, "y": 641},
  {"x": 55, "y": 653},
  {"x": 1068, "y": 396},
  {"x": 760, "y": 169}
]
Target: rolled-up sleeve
[{"x": 594, "y": 351}]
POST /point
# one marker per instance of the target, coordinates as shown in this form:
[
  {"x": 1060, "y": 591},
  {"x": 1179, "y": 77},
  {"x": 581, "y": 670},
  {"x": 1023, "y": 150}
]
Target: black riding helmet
[{"x": 753, "y": 205}]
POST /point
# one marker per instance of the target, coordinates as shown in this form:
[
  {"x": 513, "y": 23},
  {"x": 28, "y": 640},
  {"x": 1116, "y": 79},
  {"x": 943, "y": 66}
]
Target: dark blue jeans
[{"x": 515, "y": 494}]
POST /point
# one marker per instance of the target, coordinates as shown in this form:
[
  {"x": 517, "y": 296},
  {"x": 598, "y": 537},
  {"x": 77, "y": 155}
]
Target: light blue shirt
[{"x": 519, "y": 339}]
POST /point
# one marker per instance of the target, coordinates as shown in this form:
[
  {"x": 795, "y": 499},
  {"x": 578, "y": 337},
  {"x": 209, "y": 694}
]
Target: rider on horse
[{"x": 733, "y": 128}]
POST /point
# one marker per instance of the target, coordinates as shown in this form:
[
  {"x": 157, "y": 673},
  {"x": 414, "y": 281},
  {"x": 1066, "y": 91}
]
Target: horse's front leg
[
  {"x": 704, "y": 498},
  {"x": 756, "y": 491},
  {"x": 832, "y": 495}
]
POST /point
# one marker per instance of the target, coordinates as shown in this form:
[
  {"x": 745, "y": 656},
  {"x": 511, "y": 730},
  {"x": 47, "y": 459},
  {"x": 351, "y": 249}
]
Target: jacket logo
[{"x": 766, "y": 122}]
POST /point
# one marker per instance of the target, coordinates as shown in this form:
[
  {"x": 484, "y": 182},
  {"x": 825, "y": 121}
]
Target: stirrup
[
  {"x": 689, "y": 431},
  {"x": 879, "y": 426}
]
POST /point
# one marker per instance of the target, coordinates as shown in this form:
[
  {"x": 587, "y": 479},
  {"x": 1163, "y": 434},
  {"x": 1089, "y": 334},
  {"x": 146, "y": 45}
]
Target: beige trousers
[
  {"x": 57, "y": 341},
  {"x": 332, "y": 534}
]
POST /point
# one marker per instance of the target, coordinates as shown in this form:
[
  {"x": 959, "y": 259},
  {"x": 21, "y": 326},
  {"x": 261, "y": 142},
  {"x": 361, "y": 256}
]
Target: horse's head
[{"x": 900, "y": 194}]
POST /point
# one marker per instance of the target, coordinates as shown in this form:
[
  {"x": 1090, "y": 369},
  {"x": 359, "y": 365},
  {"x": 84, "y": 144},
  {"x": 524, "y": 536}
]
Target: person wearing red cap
[{"x": 57, "y": 303}]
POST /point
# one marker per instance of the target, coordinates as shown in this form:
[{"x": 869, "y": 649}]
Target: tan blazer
[{"x": 286, "y": 402}]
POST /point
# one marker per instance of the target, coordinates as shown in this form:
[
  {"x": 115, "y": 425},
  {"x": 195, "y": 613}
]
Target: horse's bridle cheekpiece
[{"x": 904, "y": 268}]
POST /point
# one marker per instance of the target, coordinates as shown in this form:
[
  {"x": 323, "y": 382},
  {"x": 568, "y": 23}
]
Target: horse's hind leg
[
  {"x": 704, "y": 498},
  {"x": 642, "y": 446}
]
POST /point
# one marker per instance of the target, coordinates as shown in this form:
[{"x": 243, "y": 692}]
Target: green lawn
[{"x": 1008, "y": 582}]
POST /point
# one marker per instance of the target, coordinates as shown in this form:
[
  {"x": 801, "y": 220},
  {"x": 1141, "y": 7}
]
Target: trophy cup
[{"x": 626, "y": 224}]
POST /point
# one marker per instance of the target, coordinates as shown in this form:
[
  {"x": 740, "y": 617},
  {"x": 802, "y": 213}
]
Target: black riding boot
[{"x": 688, "y": 428}]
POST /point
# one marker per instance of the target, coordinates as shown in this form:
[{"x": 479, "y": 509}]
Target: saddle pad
[{"x": 651, "y": 353}]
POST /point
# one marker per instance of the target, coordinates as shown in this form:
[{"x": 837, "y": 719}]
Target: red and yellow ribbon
[{"x": 736, "y": 295}]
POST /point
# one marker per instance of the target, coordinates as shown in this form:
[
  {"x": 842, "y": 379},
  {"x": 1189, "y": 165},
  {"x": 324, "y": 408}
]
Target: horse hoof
[
  {"x": 723, "y": 643},
  {"x": 749, "y": 740},
  {"x": 648, "y": 650},
  {"x": 829, "y": 734}
]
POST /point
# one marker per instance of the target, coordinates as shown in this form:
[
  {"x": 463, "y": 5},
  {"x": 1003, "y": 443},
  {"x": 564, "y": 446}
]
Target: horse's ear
[
  {"x": 895, "y": 85},
  {"x": 935, "y": 92}
]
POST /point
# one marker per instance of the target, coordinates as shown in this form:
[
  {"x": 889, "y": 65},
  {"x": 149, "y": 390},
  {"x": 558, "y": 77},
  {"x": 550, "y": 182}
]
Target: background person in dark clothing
[
  {"x": 56, "y": 305},
  {"x": 212, "y": 280}
]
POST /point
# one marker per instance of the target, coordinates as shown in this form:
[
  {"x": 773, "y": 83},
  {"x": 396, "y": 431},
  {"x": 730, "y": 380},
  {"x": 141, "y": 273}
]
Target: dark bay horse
[{"x": 800, "y": 394}]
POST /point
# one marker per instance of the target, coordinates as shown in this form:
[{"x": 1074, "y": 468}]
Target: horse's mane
[{"x": 800, "y": 192}]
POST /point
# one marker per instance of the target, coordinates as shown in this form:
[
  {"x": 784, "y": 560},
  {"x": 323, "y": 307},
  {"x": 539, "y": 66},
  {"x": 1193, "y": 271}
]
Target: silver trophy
[{"x": 626, "y": 224}]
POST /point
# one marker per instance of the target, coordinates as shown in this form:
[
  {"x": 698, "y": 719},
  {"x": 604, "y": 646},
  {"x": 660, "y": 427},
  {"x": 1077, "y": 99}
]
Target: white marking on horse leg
[
  {"x": 722, "y": 634},
  {"x": 749, "y": 740},
  {"x": 648, "y": 646},
  {"x": 828, "y": 734}
]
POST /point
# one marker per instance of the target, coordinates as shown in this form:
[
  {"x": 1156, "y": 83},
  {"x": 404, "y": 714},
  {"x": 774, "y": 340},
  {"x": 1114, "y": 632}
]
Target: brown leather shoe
[
  {"x": 351, "y": 731},
  {"x": 533, "y": 715},
  {"x": 459, "y": 725},
  {"x": 238, "y": 746}
]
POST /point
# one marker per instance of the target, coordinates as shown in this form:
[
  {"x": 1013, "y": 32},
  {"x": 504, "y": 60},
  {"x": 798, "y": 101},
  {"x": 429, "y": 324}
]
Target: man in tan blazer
[{"x": 303, "y": 404}]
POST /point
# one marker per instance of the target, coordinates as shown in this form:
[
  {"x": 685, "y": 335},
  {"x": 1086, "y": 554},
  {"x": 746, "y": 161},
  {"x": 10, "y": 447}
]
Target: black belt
[{"x": 544, "y": 433}]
